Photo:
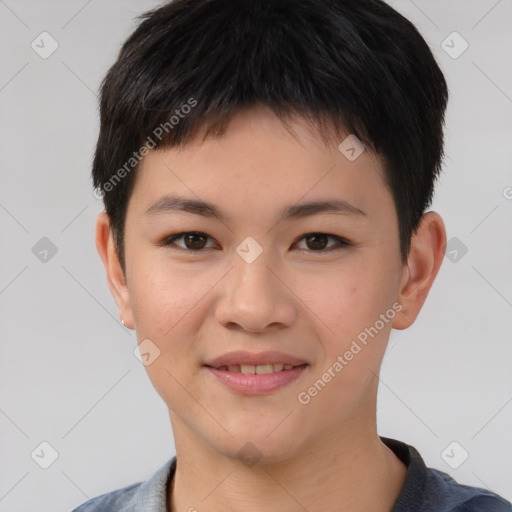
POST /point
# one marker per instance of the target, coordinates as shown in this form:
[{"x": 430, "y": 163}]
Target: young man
[{"x": 266, "y": 167}]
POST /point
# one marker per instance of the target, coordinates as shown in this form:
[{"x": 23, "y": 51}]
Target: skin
[{"x": 194, "y": 306}]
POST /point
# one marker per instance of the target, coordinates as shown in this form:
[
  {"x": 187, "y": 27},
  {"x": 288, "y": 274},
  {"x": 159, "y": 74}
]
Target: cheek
[
  {"x": 348, "y": 305},
  {"x": 354, "y": 342},
  {"x": 345, "y": 300},
  {"x": 168, "y": 306},
  {"x": 165, "y": 310},
  {"x": 161, "y": 299}
]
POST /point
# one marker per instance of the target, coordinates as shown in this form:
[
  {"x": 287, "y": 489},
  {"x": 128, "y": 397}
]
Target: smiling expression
[{"x": 324, "y": 231}]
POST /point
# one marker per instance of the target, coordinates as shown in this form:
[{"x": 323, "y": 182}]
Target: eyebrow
[{"x": 169, "y": 204}]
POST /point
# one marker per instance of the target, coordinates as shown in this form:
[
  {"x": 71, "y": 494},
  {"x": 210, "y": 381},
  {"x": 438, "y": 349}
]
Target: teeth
[
  {"x": 264, "y": 368},
  {"x": 250, "y": 369}
]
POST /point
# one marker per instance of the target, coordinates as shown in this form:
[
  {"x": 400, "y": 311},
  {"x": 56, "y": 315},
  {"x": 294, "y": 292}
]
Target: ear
[
  {"x": 428, "y": 246},
  {"x": 115, "y": 275}
]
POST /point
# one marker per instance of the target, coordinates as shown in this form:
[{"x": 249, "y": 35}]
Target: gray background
[{"x": 68, "y": 373}]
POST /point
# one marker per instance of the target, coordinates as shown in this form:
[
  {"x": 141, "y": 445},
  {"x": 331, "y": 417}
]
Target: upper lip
[{"x": 240, "y": 357}]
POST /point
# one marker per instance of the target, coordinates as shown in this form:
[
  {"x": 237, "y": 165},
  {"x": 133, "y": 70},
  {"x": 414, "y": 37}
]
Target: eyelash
[{"x": 168, "y": 242}]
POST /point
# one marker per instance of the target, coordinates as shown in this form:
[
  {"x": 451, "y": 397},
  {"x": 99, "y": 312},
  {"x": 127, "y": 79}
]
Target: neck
[{"x": 343, "y": 469}]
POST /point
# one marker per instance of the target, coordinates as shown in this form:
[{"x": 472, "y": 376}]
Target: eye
[
  {"x": 196, "y": 241},
  {"x": 318, "y": 242},
  {"x": 193, "y": 240}
]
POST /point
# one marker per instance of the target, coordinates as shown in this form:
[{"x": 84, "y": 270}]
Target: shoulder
[
  {"x": 428, "y": 489},
  {"x": 463, "y": 498},
  {"x": 118, "y": 500},
  {"x": 148, "y": 495}
]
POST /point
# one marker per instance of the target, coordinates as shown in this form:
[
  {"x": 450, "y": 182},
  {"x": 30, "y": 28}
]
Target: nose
[{"x": 255, "y": 297}]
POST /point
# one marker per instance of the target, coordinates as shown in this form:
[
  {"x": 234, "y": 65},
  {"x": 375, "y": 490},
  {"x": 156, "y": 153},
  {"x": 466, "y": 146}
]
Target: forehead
[{"x": 260, "y": 160}]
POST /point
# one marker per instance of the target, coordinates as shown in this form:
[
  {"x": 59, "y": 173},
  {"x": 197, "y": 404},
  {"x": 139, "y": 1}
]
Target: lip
[
  {"x": 257, "y": 384},
  {"x": 243, "y": 357}
]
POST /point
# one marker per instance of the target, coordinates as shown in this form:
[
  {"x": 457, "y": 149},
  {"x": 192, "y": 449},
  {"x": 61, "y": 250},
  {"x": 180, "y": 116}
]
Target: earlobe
[
  {"x": 426, "y": 256},
  {"x": 115, "y": 276}
]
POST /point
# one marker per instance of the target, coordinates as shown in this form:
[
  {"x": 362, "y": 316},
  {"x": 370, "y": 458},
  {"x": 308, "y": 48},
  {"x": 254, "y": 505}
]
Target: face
[{"x": 309, "y": 284}]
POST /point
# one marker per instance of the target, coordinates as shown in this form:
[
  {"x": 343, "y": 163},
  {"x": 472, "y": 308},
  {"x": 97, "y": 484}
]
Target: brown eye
[
  {"x": 319, "y": 242},
  {"x": 192, "y": 240},
  {"x": 195, "y": 241}
]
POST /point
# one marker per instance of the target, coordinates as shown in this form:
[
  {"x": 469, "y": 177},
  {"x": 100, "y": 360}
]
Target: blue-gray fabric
[{"x": 425, "y": 490}]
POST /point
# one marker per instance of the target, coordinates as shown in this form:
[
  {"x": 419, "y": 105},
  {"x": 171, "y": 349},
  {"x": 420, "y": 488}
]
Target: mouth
[
  {"x": 254, "y": 380},
  {"x": 261, "y": 369},
  {"x": 250, "y": 373},
  {"x": 246, "y": 362}
]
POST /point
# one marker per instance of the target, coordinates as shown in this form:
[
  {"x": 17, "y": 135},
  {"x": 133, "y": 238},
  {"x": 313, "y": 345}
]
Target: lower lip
[{"x": 257, "y": 384}]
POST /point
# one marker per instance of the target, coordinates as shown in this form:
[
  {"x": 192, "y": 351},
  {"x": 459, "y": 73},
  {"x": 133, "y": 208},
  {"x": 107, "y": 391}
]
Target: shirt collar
[{"x": 151, "y": 496}]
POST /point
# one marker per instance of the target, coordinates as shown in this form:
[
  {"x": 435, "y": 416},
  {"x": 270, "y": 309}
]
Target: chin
[{"x": 256, "y": 447}]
